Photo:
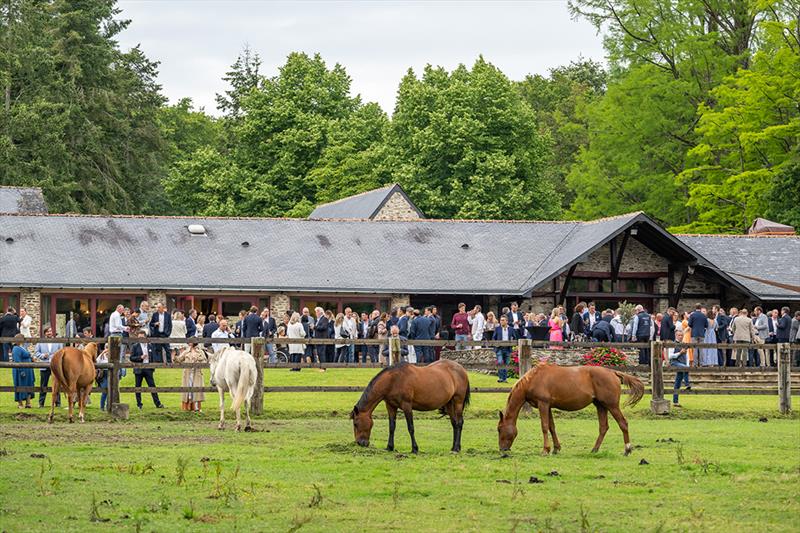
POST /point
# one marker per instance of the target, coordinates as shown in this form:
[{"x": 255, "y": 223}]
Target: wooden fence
[{"x": 761, "y": 380}]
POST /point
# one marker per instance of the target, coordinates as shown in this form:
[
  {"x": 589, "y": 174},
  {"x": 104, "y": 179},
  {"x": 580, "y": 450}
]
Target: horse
[
  {"x": 73, "y": 372},
  {"x": 548, "y": 386},
  {"x": 234, "y": 371},
  {"x": 443, "y": 385}
]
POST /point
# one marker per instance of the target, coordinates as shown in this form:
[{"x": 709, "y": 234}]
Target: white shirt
[
  {"x": 478, "y": 325},
  {"x": 516, "y": 317},
  {"x": 145, "y": 353},
  {"x": 161, "y": 322},
  {"x": 350, "y": 325},
  {"x": 505, "y": 334},
  {"x": 115, "y": 323},
  {"x": 219, "y": 334},
  {"x": 25, "y": 326}
]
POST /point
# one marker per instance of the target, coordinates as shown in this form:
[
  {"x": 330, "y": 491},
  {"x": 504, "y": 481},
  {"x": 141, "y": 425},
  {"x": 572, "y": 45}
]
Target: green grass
[{"x": 713, "y": 467}]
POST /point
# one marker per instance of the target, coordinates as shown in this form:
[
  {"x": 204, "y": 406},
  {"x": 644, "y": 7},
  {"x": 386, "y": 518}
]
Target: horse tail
[
  {"x": 241, "y": 389},
  {"x": 58, "y": 372},
  {"x": 635, "y": 385},
  {"x": 467, "y": 394}
]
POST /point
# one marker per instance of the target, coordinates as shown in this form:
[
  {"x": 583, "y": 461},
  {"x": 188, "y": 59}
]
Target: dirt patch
[{"x": 85, "y": 433}]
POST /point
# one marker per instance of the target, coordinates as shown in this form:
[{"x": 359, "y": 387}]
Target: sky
[{"x": 196, "y": 41}]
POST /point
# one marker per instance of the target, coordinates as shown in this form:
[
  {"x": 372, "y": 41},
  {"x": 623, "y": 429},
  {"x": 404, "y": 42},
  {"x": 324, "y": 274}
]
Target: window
[{"x": 579, "y": 285}]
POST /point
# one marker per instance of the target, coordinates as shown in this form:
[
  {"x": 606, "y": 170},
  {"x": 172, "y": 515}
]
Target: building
[{"x": 82, "y": 266}]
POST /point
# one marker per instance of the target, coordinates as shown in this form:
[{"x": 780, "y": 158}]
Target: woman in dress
[
  {"x": 491, "y": 324},
  {"x": 381, "y": 332},
  {"x": 192, "y": 377},
  {"x": 555, "y": 325},
  {"x": 708, "y": 356},
  {"x": 687, "y": 338},
  {"x": 178, "y": 330},
  {"x": 295, "y": 330},
  {"x": 199, "y": 323},
  {"x": 22, "y": 377},
  {"x": 340, "y": 333}
]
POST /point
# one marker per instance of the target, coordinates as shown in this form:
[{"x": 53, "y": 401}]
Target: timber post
[
  {"x": 524, "y": 348},
  {"x": 257, "y": 350},
  {"x": 114, "y": 407},
  {"x": 784, "y": 378},
  {"x": 394, "y": 350},
  {"x": 658, "y": 405}
]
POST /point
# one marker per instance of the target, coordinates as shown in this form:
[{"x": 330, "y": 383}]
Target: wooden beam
[
  {"x": 612, "y": 257},
  {"x": 670, "y": 282},
  {"x": 676, "y": 296},
  {"x": 565, "y": 287},
  {"x": 618, "y": 262}
]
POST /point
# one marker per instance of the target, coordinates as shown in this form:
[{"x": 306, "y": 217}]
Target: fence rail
[{"x": 784, "y": 386}]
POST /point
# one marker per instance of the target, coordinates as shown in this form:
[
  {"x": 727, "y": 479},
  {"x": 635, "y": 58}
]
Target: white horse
[{"x": 234, "y": 371}]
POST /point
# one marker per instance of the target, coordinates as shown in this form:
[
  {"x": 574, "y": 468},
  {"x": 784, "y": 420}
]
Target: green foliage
[{"x": 465, "y": 145}]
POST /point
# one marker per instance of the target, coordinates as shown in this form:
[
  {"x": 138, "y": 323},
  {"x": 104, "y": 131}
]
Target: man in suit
[
  {"x": 761, "y": 322},
  {"x": 503, "y": 332},
  {"x": 252, "y": 326},
  {"x": 43, "y": 353},
  {"x": 603, "y": 331},
  {"x": 667, "y": 330},
  {"x": 422, "y": 328},
  {"x": 405, "y": 321},
  {"x": 209, "y": 328},
  {"x": 698, "y": 323},
  {"x": 268, "y": 329},
  {"x": 590, "y": 317},
  {"x": 722, "y": 334},
  {"x": 9, "y": 326},
  {"x": 191, "y": 325},
  {"x": 161, "y": 326},
  {"x": 142, "y": 353},
  {"x": 742, "y": 331},
  {"x": 321, "y": 332},
  {"x": 517, "y": 320},
  {"x": 783, "y": 326},
  {"x": 641, "y": 331}
]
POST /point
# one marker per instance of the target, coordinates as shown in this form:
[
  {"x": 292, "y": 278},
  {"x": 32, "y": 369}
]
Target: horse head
[
  {"x": 506, "y": 431},
  {"x": 90, "y": 349},
  {"x": 362, "y": 425}
]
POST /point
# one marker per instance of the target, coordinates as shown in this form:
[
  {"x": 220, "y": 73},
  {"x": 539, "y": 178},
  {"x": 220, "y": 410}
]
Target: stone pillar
[
  {"x": 155, "y": 297},
  {"x": 400, "y": 300},
  {"x": 31, "y": 300},
  {"x": 279, "y": 304}
]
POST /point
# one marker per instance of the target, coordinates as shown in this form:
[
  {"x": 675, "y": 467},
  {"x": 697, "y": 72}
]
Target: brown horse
[
  {"x": 442, "y": 385},
  {"x": 74, "y": 373},
  {"x": 548, "y": 386}
]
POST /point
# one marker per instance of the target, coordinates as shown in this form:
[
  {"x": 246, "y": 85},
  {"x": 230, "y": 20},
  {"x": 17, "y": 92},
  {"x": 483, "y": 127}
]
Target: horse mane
[{"x": 362, "y": 402}]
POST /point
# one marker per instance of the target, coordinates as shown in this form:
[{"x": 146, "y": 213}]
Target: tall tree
[
  {"x": 243, "y": 78},
  {"x": 79, "y": 115},
  {"x": 466, "y": 146}
]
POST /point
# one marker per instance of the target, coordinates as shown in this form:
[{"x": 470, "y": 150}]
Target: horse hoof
[
  {"x": 556, "y": 451},
  {"x": 71, "y": 421},
  {"x": 545, "y": 453},
  {"x": 248, "y": 429},
  {"x": 415, "y": 451},
  {"x": 220, "y": 427},
  {"x": 595, "y": 450},
  {"x": 390, "y": 448},
  {"x": 238, "y": 428},
  {"x": 49, "y": 419}
]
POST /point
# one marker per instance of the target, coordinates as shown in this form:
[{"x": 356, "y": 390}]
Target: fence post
[
  {"x": 257, "y": 350},
  {"x": 115, "y": 408},
  {"x": 784, "y": 378},
  {"x": 394, "y": 350},
  {"x": 658, "y": 405},
  {"x": 524, "y": 348}
]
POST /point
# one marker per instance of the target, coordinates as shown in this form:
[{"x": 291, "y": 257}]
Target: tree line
[{"x": 695, "y": 119}]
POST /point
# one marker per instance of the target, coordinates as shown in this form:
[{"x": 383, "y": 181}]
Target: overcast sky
[{"x": 196, "y": 41}]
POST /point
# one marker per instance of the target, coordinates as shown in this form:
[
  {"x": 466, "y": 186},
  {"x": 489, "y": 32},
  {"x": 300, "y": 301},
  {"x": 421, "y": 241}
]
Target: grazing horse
[
  {"x": 442, "y": 385},
  {"x": 548, "y": 386},
  {"x": 74, "y": 373},
  {"x": 234, "y": 371}
]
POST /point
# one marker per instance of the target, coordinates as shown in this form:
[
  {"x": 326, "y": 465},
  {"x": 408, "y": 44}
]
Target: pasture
[{"x": 712, "y": 466}]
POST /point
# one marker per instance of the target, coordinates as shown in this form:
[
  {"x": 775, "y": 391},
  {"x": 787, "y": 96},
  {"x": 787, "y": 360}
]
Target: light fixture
[
  {"x": 634, "y": 231},
  {"x": 196, "y": 229}
]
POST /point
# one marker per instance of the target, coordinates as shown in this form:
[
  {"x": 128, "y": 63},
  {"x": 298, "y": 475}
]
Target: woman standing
[
  {"x": 576, "y": 324},
  {"x": 192, "y": 377},
  {"x": 382, "y": 333},
  {"x": 295, "y": 330},
  {"x": 708, "y": 356},
  {"x": 340, "y": 333},
  {"x": 490, "y": 325},
  {"x": 102, "y": 378},
  {"x": 555, "y": 325},
  {"x": 22, "y": 377},
  {"x": 178, "y": 330},
  {"x": 199, "y": 324}
]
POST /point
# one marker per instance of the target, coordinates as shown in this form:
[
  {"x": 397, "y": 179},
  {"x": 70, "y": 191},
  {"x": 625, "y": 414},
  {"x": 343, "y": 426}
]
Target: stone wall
[
  {"x": 279, "y": 304},
  {"x": 31, "y": 300},
  {"x": 155, "y": 297},
  {"x": 399, "y": 300},
  {"x": 397, "y": 208},
  {"x": 537, "y": 304},
  {"x": 566, "y": 357},
  {"x": 636, "y": 258}
]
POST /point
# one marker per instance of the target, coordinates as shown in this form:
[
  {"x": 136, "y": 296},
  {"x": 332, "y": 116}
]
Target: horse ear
[{"x": 501, "y": 415}]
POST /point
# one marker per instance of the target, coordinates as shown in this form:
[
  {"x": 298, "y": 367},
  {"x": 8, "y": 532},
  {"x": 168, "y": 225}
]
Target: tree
[
  {"x": 80, "y": 116},
  {"x": 243, "y": 78},
  {"x": 465, "y": 145},
  {"x": 185, "y": 129}
]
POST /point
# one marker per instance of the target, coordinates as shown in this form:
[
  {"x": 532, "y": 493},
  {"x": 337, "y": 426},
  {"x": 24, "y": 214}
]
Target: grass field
[{"x": 713, "y": 466}]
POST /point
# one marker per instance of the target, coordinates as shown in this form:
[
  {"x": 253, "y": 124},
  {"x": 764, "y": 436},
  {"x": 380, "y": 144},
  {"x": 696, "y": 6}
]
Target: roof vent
[
  {"x": 9, "y": 240},
  {"x": 465, "y": 246},
  {"x": 197, "y": 229},
  {"x": 245, "y": 244}
]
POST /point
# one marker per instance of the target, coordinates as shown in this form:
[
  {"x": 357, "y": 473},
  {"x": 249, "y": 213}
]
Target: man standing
[
  {"x": 209, "y": 328},
  {"x": 590, "y": 317},
  {"x": 161, "y": 326},
  {"x": 761, "y": 322},
  {"x": 437, "y": 331},
  {"x": 698, "y": 323},
  {"x": 222, "y": 332},
  {"x": 640, "y": 332},
  {"x": 667, "y": 330},
  {"x": 504, "y": 332},
  {"x": 142, "y": 354},
  {"x": 516, "y": 320},
  {"x": 784, "y": 326},
  {"x": 9, "y": 327},
  {"x": 191, "y": 325},
  {"x": 460, "y": 326},
  {"x": 405, "y": 321},
  {"x": 349, "y": 325},
  {"x": 25, "y": 321},
  {"x": 422, "y": 328},
  {"x": 269, "y": 328},
  {"x": 478, "y": 323},
  {"x": 43, "y": 353},
  {"x": 116, "y": 327},
  {"x": 321, "y": 332},
  {"x": 742, "y": 331},
  {"x": 723, "y": 322},
  {"x": 251, "y": 327}
]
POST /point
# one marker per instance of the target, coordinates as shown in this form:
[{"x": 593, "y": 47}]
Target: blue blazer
[
  {"x": 191, "y": 327},
  {"x": 422, "y": 328},
  {"x": 498, "y": 333},
  {"x": 251, "y": 325},
  {"x": 167, "y": 325}
]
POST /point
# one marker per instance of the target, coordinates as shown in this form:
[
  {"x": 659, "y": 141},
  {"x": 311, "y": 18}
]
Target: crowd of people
[{"x": 467, "y": 329}]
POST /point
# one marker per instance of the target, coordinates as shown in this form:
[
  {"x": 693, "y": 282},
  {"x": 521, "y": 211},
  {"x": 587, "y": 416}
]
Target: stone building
[{"x": 375, "y": 251}]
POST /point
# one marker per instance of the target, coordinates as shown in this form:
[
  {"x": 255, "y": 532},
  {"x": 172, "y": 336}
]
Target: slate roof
[
  {"x": 22, "y": 200},
  {"x": 774, "y": 260},
  {"x": 360, "y": 206},
  {"x": 424, "y": 256}
]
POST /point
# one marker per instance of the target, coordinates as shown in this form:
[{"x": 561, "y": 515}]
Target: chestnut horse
[
  {"x": 73, "y": 372},
  {"x": 442, "y": 385},
  {"x": 569, "y": 388}
]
